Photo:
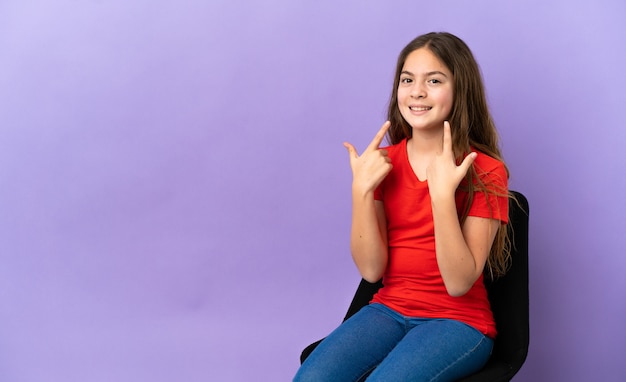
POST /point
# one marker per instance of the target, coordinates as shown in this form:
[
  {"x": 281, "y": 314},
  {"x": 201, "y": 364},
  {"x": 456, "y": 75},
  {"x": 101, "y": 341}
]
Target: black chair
[{"x": 508, "y": 296}]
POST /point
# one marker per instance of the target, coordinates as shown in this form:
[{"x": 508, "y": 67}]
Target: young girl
[{"x": 428, "y": 217}]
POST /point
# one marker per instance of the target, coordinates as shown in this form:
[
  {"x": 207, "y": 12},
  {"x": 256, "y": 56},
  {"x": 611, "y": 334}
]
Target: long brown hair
[{"x": 471, "y": 125}]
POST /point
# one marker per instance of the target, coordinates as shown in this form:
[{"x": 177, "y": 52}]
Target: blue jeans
[{"x": 396, "y": 348}]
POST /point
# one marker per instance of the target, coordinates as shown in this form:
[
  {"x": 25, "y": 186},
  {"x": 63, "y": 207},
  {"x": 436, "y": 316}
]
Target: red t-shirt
[{"x": 412, "y": 283}]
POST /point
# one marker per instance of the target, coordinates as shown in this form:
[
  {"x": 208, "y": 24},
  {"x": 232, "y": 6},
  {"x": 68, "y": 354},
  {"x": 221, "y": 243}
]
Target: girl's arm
[
  {"x": 368, "y": 236},
  {"x": 461, "y": 251}
]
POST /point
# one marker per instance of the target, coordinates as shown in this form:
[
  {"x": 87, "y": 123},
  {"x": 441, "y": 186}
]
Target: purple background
[{"x": 175, "y": 198}]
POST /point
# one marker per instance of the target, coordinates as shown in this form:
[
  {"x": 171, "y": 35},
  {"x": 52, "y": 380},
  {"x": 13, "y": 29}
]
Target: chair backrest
[{"x": 508, "y": 295}]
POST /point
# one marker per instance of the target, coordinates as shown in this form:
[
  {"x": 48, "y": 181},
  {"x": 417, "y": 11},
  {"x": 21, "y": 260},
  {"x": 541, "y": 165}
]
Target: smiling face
[{"x": 425, "y": 91}]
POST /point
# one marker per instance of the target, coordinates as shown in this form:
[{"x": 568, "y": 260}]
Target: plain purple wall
[{"x": 174, "y": 195}]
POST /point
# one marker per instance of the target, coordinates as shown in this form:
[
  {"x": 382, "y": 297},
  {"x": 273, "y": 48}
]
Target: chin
[{"x": 427, "y": 125}]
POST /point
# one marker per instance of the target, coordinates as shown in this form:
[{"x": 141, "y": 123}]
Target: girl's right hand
[{"x": 372, "y": 166}]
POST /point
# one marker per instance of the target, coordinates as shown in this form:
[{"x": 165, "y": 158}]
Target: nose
[{"x": 418, "y": 90}]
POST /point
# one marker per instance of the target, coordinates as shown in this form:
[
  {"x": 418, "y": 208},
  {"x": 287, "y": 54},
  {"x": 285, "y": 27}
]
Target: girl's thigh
[
  {"x": 435, "y": 350},
  {"x": 353, "y": 349}
]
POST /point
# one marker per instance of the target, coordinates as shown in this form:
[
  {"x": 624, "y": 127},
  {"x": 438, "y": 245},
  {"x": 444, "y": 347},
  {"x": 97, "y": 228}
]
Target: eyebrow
[{"x": 434, "y": 72}]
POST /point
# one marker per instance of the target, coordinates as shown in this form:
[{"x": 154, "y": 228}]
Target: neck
[{"x": 426, "y": 142}]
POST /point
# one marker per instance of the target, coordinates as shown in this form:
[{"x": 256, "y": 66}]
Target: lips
[{"x": 420, "y": 108}]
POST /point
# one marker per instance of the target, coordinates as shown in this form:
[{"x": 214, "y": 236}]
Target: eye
[
  {"x": 405, "y": 80},
  {"x": 434, "y": 81}
]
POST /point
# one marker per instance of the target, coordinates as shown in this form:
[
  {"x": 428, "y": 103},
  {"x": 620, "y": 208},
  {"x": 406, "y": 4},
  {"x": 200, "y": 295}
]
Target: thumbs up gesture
[{"x": 372, "y": 166}]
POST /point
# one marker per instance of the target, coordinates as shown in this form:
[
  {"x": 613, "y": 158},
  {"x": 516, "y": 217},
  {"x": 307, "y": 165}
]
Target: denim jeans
[{"x": 396, "y": 348}]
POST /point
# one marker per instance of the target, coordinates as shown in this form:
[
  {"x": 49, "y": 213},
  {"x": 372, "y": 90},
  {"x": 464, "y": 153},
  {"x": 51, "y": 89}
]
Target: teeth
[{"x": 419, "y": 108}]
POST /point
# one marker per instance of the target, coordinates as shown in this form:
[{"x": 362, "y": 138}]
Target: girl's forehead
[{"x": 423, "y": 60}]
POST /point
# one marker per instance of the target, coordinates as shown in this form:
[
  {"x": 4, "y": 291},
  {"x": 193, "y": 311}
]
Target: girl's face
[{"x": 425, "y": 92}]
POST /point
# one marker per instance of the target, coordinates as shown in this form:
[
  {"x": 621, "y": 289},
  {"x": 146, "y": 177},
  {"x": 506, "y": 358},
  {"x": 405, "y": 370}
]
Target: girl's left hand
[{"x": 443, "y": 174}]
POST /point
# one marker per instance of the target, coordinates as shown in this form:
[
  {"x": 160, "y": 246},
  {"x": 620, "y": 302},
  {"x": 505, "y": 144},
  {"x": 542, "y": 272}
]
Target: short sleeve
[{"x": 493, "y": 204}]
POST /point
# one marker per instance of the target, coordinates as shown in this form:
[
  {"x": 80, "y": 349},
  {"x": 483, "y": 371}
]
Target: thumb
[
  {"x": 351, "y": 150},
  {"x": 467, "y": 162}
]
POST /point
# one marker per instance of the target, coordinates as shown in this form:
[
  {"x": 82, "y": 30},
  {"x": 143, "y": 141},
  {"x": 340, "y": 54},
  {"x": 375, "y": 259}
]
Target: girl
[{"x": 428, "y": 217}]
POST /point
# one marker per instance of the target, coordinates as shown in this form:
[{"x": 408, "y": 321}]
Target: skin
[{"x": 425, "y": 97}]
